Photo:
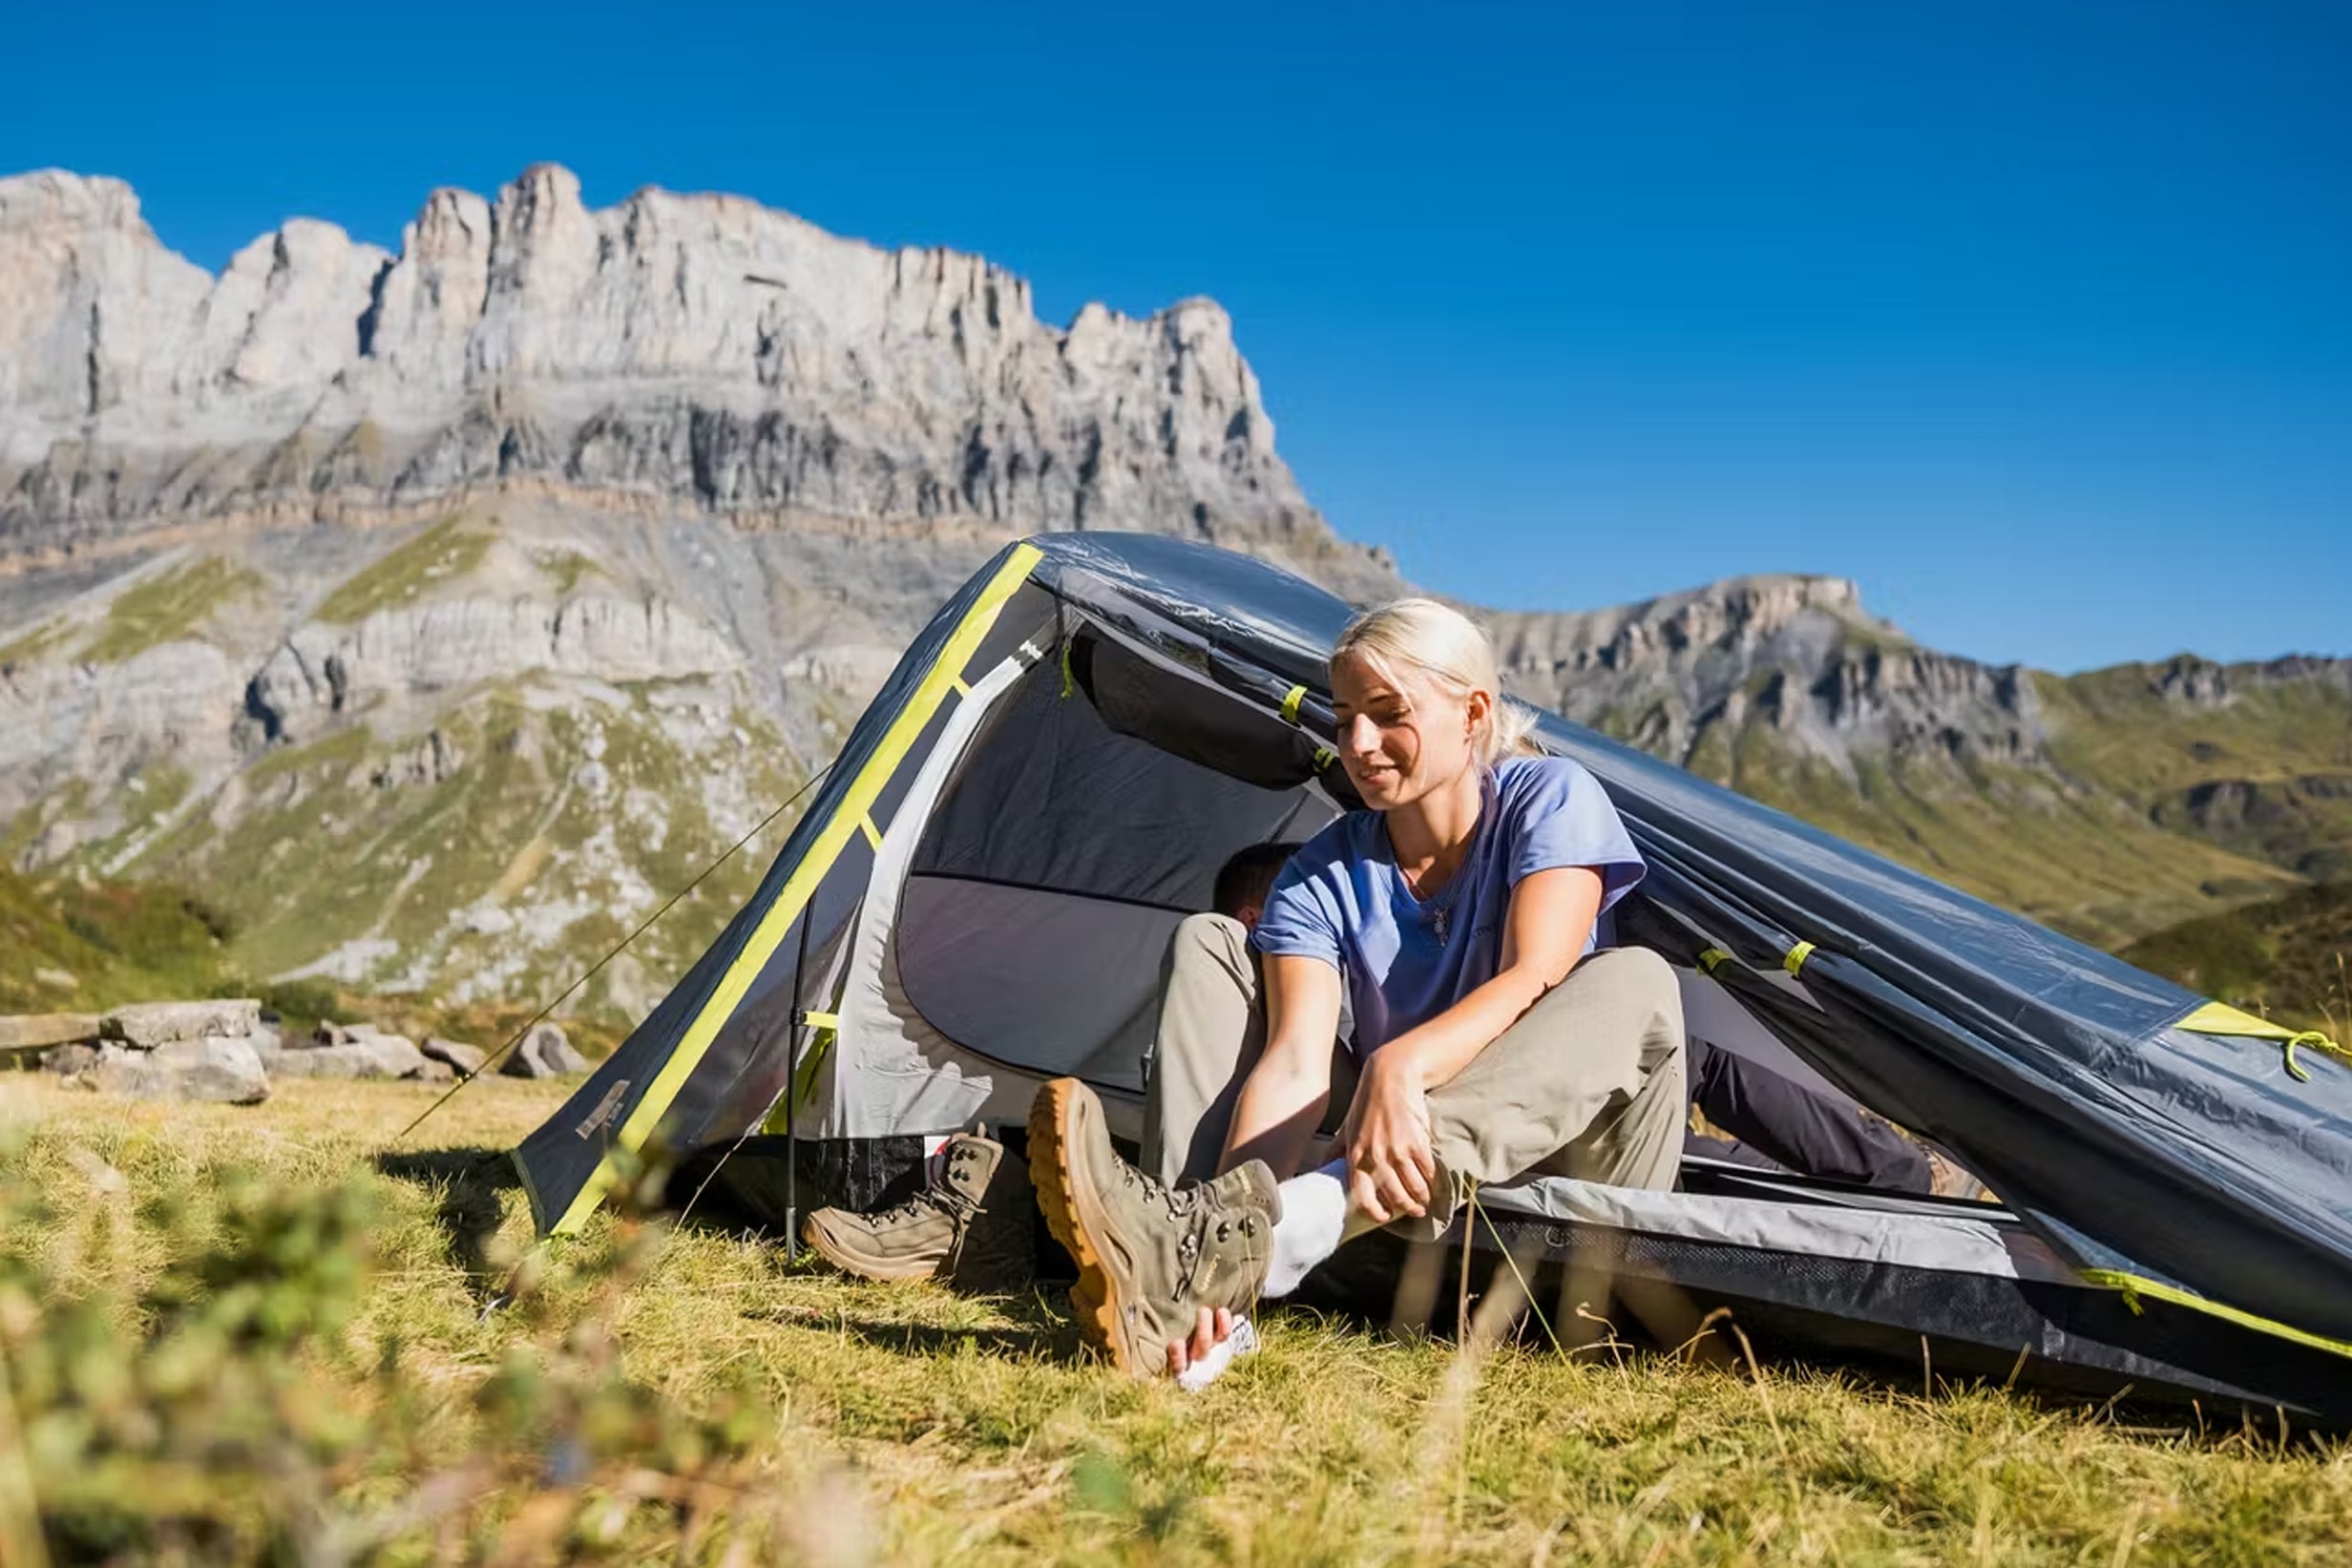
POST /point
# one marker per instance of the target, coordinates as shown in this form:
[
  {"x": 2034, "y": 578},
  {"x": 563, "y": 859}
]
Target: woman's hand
[
  {"x": 1389, "y": 1165},
  {"x": 1212, "y": 1329}
]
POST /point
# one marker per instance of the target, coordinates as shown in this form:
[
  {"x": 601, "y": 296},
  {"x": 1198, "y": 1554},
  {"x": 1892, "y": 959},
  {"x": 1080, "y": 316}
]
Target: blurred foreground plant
[{"x": 229, "y": 1413}]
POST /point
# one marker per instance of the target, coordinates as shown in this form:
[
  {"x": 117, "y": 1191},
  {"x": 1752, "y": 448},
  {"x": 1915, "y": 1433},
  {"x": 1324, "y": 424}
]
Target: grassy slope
[
  {"x": 2101, "y": 842},
  {"x": 2287, "y": 958},
  {"x": 339, "y": 840},
  {"x": 320, "y": 853},
  {"x": 175, "y": 604},
  {"x": 443, "y": 554},
  {"x": 65, "y": 946},
  {"x": 2112, "y": 731},
  {"x": 346, "y": 839},
  {"x": 676, "y": 1395},
  {"x": 2083, "y": 863}
]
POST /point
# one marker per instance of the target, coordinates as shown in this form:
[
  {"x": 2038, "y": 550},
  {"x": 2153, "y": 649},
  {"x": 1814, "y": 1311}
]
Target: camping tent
[{"x": 979, "y": 895}]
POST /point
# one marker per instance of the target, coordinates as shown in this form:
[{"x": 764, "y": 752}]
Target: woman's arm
[
  {"x": 1544, "y": 929},
  {"x": 1545, "y": 926},
  {"x": 1283, "y": 1098}
]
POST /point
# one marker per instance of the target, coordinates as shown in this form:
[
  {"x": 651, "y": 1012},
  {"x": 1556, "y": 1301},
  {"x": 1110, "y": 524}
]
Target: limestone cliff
[{"x": 672, "y": 351}]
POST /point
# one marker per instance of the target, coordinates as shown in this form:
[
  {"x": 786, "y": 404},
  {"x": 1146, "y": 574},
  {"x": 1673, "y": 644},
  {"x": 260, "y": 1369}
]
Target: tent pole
[{"x": 791, "y": 1092}]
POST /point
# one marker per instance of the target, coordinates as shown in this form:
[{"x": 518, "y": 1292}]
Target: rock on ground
[
  {"x": 373, "y": 1056},
  {"x": 32, "y": 1030},
  {"x": 216, "y": 1067},
  {"x": 66, "y": 1060},
  {"x": 543, "y": 1054},
  {"x": 160, "y": 1023},
  {"x": 464, "y": 1059}
]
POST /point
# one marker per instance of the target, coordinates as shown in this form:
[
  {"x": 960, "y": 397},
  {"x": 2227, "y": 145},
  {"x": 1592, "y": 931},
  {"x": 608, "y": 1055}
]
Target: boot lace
[
  {"x": 1201, "y": 1209},
  {"x": 941, "y": 1195}
]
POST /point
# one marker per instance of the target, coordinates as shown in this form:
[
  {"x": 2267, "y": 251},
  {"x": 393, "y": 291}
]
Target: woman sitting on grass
[{"x": 1464, "y": 917}]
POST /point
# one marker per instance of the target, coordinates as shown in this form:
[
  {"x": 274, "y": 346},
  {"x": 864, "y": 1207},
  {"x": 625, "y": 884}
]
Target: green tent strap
[
  {"x": 2134, "y": 1286},
  {"x": 2222, "y": 1019}
]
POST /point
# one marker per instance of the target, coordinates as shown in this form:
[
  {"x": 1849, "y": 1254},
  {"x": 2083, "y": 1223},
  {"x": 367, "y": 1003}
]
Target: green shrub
[{"x": 227, "y": 1413}]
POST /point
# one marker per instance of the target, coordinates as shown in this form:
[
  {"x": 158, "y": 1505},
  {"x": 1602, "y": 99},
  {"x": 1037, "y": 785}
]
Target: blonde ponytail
[{"x": 1447, "y": 648}]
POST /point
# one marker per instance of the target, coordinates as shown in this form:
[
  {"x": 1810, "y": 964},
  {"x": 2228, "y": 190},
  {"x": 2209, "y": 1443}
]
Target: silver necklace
[{"x": 1438, "y": 908}]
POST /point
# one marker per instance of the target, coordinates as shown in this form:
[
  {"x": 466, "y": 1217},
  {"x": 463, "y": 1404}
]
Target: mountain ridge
[
  {"x": 406, "y": 595},
  {"x": 697, "y": 347}
]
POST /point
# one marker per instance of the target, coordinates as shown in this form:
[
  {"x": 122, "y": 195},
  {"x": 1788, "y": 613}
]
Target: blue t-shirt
[{"x": 1341, "y": 898}]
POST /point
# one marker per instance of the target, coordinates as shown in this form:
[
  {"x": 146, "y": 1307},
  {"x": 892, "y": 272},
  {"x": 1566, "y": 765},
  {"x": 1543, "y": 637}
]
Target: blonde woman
[{"x": 1463, "y": 914}]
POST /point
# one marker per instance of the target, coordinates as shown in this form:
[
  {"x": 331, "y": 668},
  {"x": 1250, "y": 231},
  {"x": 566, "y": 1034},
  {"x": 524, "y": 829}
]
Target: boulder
[
  {"x": 372, "y": 1056},
  {"x": 267, "y": 1043},
  {"x": 30, "y": 1031},
  {"x": 160, "y": 1023},
  {"x": 465, "y": 1060},
  {"x": 543, "y": 1054},
  {"x": 215, "y": 1067},
  {"x": 68, "y": 1059},
  {"x": 330, "y": 1033},
  {"x": 327, "y": 1062},
  {"x": 395, "y": 1057}
]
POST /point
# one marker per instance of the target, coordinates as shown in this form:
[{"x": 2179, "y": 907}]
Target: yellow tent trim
[
  {"x": 906, "y": 728},
  {"x": 1795, "y": 961},
  {"x": 1711, "y": 957},
  {"x": 873, "y": 834},
  {"x": 2221, "y": 1018},
  {"x": 2134, "y": 1286},
  {"x": 827, "y": 1028},
  {"x": 1291, "y": 699}
]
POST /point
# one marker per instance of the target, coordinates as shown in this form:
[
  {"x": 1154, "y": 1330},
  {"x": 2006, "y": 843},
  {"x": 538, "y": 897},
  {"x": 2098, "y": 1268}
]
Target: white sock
[
  {"x": 1242, "y": 1340},
  {"x": 1314, "y": 1221}
]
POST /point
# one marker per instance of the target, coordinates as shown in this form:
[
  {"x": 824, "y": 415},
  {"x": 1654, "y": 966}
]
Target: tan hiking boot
[
  {"x": 971, "y": 1227},
  {"x": 1150, "y": 1257}
]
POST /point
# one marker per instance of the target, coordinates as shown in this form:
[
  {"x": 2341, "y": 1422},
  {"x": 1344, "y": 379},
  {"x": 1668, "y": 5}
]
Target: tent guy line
[{"x": 590, "y": 973}]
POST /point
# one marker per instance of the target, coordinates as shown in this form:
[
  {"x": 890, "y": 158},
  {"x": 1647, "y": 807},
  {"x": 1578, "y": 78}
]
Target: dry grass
[{"x": 841, "y": 1423}]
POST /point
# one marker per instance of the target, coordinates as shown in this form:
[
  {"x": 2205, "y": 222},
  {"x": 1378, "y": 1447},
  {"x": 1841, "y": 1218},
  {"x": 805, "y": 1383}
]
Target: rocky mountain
[
  {"x": 2111, "y": 803},
  {"x": 440, "y": 613},
  {"x": 674, "y": 349}
]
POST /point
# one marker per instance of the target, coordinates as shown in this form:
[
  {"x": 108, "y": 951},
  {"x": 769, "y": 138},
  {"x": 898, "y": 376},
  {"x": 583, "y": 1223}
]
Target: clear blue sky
[{"x": 2035, "y": 318}]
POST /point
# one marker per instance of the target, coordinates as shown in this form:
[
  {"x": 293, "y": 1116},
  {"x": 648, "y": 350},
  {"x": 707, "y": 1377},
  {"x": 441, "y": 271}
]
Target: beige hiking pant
[{"x": 1587, "y": 1083}]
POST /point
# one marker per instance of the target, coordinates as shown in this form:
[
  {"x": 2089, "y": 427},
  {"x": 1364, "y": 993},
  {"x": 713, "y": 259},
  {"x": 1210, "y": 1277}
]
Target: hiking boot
[
  {"x": 970, "y": 1227},
  {"x": 1149, "y": 1256}
]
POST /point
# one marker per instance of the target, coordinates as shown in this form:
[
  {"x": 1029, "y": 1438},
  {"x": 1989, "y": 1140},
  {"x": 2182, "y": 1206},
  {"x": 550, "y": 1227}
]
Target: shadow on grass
[
  {"x": 470, "y": 1211},
  {"x": 1037, "y": 1330}
]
